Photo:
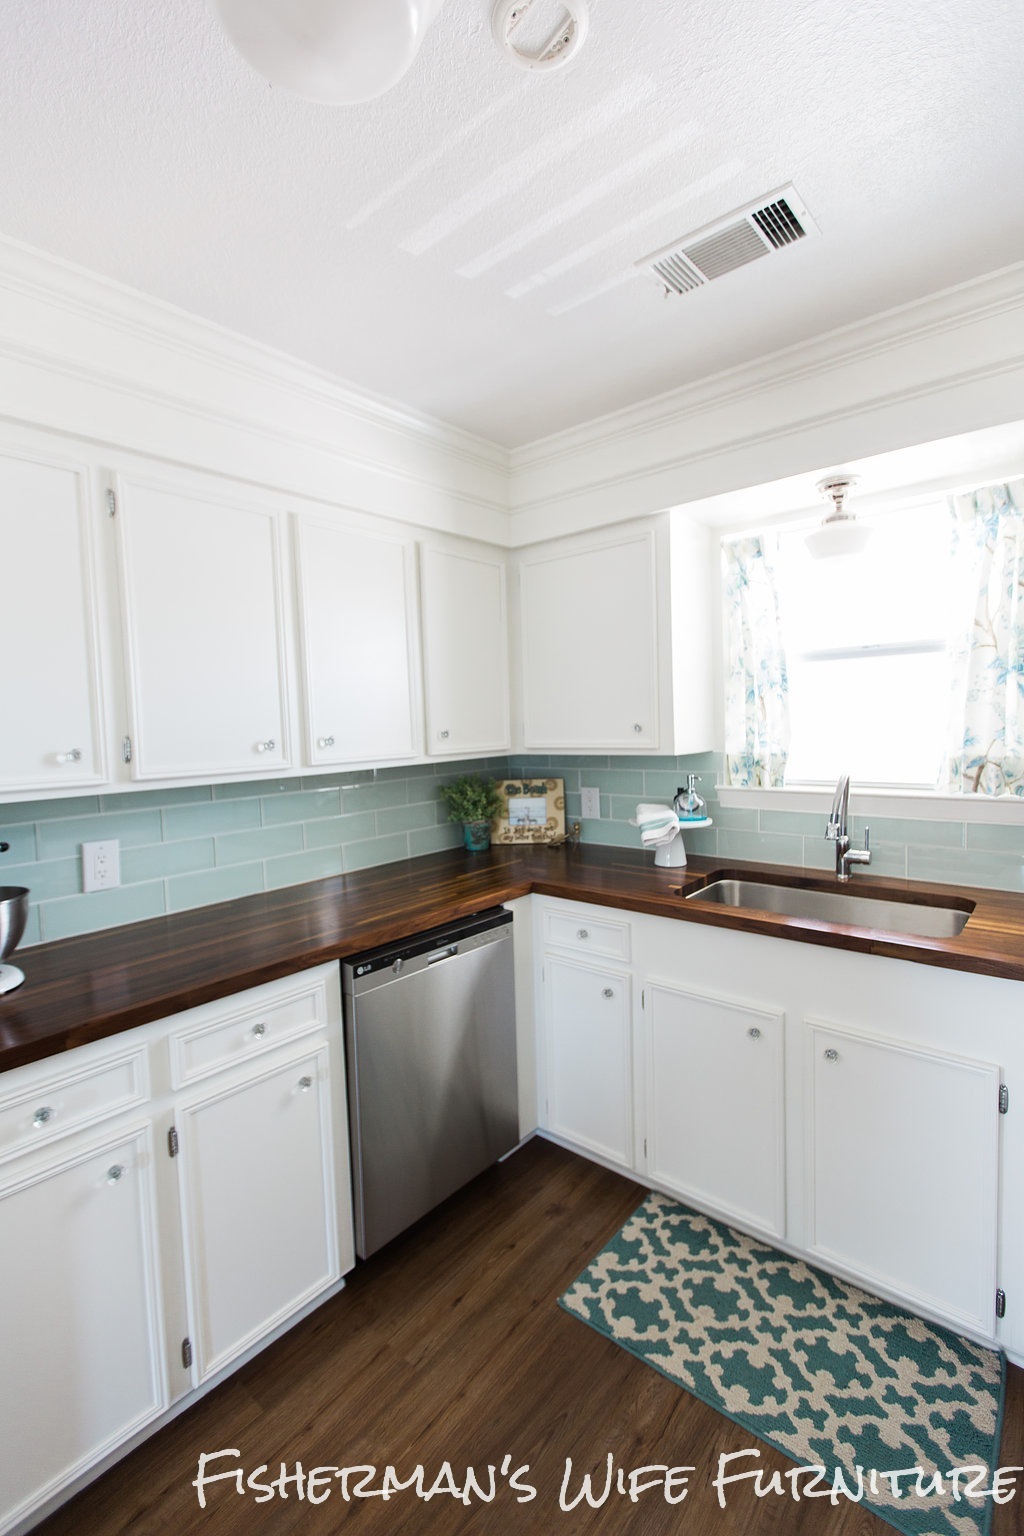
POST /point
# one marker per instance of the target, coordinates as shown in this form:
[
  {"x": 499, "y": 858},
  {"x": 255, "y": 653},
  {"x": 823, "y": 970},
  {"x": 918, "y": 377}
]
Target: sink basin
[{"x": 848, "y": 907}]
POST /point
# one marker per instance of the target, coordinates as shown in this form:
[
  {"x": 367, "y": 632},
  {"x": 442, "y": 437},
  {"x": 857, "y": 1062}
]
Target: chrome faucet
[{"x": 835, "y": 831}]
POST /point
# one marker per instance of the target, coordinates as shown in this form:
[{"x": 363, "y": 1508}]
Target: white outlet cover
[
  {"x": 590, "y": 804},
  {"x": 101, "y": 865}
]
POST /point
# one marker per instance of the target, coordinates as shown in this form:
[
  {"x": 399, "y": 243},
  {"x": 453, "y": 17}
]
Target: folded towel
[{"x": 658, "y": 824}]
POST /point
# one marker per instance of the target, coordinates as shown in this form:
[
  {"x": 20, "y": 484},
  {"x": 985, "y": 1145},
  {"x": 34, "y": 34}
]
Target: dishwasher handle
[{"x": 442, "y": 954}]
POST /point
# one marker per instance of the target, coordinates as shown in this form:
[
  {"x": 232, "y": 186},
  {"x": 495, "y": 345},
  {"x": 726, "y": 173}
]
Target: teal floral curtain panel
[
  {"x": 986, "y": 750},
  {"x": 757, "y": 695}
]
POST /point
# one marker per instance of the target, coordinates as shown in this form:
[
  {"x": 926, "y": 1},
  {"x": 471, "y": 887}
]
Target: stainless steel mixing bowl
[{"x": 13, "y": 917}]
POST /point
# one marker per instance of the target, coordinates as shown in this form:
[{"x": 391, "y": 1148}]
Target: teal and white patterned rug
[{"x": 815, "y": 1367}]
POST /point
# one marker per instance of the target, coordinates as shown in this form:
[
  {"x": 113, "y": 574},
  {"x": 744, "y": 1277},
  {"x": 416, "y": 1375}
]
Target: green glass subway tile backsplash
[{"x": 190, "y": 846}]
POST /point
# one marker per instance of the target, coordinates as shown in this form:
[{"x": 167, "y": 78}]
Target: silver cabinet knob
[
  {"x": 754, "y": 1032},
  {"x": 43, "y": 1115},
  {"x": 73, "y": 756},
  {"x": 638, "y": 729},
  {"x": 258, "y": 1031},
  {"x": 264, "y": 746},
  {"x": 443, "y": 735},
  {"x": 325, "y": 741},
  {"x": 115, "y": 1173},
  {"x": 608, "y": 992},
  {"x": 831, "y": 1054},
  {"x": 305, "y": 1084},
  {"x": 582, "y": 933}
]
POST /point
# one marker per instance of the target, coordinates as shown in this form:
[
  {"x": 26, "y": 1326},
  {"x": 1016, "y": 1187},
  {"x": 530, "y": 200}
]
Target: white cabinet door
[
  {"x": 715, "y": 1104},
  {"x": 588, "y": 1058},
  {"x": 52, "y": 715},
  {"x": 903, "y": 1170},
  {"x": 79, "y": 1323},
  {"x": 465, "y": 652},
  {"x": 356, "y": 594},
  {"x": 258, "y": 1204},
  {"x": 589, "y": 647},
  {"x": 204, "y": 614}
]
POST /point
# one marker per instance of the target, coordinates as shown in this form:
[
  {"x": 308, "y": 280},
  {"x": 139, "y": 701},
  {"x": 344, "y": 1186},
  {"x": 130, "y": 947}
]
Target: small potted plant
[{"x": 475, "y": 802}]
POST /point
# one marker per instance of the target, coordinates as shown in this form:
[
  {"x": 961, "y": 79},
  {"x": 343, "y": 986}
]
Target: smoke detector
[
  {"x": 773, "y": 222},
  {"x": 840, "y": 533},
  {"x": 539, "y": 34}
]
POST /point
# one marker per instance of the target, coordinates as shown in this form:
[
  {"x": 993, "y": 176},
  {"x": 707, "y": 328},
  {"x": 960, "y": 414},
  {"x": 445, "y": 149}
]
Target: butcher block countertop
[{"x": 96, "y": 985}]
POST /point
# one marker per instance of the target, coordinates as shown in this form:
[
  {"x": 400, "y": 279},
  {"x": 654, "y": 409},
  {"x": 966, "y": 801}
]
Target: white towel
[{"x": 658, "y": 824}]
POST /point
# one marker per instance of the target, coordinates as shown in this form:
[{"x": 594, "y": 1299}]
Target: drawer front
[
  {"x": 61, "y": 1102},
  {"x": 243, "y": 1027},
  {"x": 587, "y": 935}
]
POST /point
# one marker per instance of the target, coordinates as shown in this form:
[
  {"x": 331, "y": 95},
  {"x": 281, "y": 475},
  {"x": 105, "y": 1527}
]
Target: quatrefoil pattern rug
[{"x": 815, "y": 1367}]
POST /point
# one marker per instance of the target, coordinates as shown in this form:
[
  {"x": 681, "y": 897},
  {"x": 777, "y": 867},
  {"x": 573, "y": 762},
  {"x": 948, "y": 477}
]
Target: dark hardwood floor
[{"x": 449, "y": 1346}]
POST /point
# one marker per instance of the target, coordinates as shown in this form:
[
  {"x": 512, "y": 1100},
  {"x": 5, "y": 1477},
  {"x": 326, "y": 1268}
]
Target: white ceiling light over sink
[
  {"x": 537, "y": 34},
  {"x": 336, "y": 51},
  {"x": 840, "y": 532}
]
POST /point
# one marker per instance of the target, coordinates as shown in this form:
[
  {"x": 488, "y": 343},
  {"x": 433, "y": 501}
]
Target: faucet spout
[{"x": 836, "y": 832}]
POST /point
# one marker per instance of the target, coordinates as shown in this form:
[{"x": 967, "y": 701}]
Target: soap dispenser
[{"x": 688, "y": 804}]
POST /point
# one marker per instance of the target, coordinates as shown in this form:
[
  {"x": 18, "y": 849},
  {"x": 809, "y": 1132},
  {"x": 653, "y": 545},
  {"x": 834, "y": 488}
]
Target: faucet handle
[{"x": 867, "y": 839}]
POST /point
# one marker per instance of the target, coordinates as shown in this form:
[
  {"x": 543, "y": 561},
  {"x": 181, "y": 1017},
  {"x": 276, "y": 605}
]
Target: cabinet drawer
[
  {"x": 224, "y": 1034},
  {"x": 61, "y": 1102},
  {"x": 587, "y": 935}
]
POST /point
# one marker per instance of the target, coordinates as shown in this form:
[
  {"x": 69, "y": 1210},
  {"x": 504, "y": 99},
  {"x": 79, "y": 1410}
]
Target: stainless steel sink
[{"x": 848, "y": 907}]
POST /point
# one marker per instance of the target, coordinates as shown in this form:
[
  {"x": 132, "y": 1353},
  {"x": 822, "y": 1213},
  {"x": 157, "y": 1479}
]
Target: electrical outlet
[
  {"x": 590, "y": 804},
  {"x": 101, "y": 865}
]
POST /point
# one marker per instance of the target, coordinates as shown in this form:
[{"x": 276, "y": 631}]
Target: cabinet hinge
[
  {"x": 126, "y": 749},
  {"x": 111, "y": 503},
  {"x": 186, "y": 1353},
  {"x": 1004, "y": 1099},
  {"x": 1000, "y": 1303},
  {"x": 172, "y": 1141}
]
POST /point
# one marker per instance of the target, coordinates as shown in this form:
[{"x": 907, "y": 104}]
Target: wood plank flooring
[{"x": 448, "y": 1346}]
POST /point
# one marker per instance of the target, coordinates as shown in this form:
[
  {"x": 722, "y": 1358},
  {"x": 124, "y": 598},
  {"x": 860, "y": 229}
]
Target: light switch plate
[
  {"x": 101, "y": 865},
  {"x": 590, "y": 804}
]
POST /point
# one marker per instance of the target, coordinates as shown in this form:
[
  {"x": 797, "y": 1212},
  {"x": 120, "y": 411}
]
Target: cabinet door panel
[
  {"x": 203, "y": 601},
  {"x": 79, "y": 1325},
  {"x": 903, "y": 1150},
  {"x": 590, "y": 677},
  {"x": 588, "y": 1058},
  {"x": 258, "y": 1205},
  {"x": 52, "y": 730},
  {"x": 465, "y": 652},
  {"x": 716, "y": 1131},
  {"x": 355, "y": 608}
]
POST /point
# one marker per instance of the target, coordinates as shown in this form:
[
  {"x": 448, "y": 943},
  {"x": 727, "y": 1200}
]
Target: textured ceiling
[{"x": 465, "y": 244}]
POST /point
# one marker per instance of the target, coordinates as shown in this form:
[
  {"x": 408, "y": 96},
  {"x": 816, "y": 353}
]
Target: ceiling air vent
[{"x": 732, "y": 242}]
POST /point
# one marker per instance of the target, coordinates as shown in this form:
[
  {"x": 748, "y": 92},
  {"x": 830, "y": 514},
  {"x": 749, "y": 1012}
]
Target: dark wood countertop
[{"x": 96, "y": 985}]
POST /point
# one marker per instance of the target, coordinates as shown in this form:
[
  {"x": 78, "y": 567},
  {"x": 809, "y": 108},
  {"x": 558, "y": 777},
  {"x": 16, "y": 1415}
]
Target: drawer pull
[
  {"x": 754, "y": 1032},
  {"x": 264, "y": 746},
  {"x": 72, "y": 756},
  {"x": 42, "y": 1116},
  {"x": 582, "y": 933},
  {"x": 305, "y": 1084},
  {"x": 258, "y": 1031},
  {"x": 638, "y": 729},
  {"x": 325, "y": 741},
  {"x": 831, "y": 1054},
  {"x": 115, "y": 1173},
  {"x": 608, "y": 992}
]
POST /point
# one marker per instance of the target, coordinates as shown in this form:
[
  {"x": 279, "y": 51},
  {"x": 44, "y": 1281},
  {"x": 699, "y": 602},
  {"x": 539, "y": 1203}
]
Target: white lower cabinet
[
  {"x": 168, "y": 1200},
  {"x": 80, "y": 1323},
  {"x": 903, "y": 1169},
  {"x": 588, "y": 1058},
  {"x": 716, "y": 1104}
]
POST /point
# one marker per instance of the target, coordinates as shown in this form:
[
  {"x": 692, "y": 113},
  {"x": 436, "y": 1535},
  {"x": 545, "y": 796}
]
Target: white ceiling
[{"x": 465, "y": 244}]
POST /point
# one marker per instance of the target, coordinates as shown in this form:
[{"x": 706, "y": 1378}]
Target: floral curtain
[
  {"x": 986, "y": 747},
  {"x": 757, "y": 690}
]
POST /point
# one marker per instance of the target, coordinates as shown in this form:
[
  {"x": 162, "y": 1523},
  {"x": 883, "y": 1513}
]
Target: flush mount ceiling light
[
  {"x": 336, "y": 51},
  {"x": 840, "y": 532},
  {"x": 539, "y": 34}
]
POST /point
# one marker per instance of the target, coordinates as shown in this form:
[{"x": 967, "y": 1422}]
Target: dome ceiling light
[
  {"x": 342, "y": 52},
  {"x": 840, "y": 533}
]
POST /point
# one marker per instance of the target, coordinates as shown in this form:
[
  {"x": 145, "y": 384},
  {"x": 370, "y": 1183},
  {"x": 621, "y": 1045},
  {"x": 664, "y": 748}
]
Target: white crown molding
[
  {"x": 903, "y": 357},
  {"x": 67, "y": 321}
]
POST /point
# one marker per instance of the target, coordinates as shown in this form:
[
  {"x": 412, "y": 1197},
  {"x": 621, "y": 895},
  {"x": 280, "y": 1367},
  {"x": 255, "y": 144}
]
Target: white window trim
[{"x": 909, "y": 804}]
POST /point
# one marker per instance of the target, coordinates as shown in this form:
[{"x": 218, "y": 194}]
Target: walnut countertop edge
[{"x": 96, "y": 985}]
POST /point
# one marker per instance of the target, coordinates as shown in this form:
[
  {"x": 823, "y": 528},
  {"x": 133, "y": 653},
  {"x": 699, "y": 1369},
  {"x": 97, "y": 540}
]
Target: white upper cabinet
[
  {"x": 615, "y": 640},
  {"x": 356, "y": 597},
  {"x": 52, "y": 706},
  {"x": 465, "y": 651},
  {"x": 204, "y": 621}
]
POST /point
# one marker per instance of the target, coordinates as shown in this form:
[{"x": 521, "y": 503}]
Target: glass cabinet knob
[
  {"x": 258, "y": 1031},
  {"x": 43, "y": 1115},
  {"x": 264, "y": 746},
  {"x": 608, "y": 992},
  {"x": 831, "y": 1054}
]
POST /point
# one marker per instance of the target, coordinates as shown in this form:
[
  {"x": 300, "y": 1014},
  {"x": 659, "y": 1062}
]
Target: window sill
[{"x": 910, "y": 804}]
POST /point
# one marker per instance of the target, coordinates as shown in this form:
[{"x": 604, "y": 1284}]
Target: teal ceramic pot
[{"x": 476, "y": 835}]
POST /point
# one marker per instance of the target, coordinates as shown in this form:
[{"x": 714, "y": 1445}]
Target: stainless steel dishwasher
[{"x": 430, "y": 1038}]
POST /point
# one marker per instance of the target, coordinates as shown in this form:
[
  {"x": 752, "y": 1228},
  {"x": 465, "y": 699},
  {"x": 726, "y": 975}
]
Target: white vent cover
[{"x": 772, "y": 222}]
